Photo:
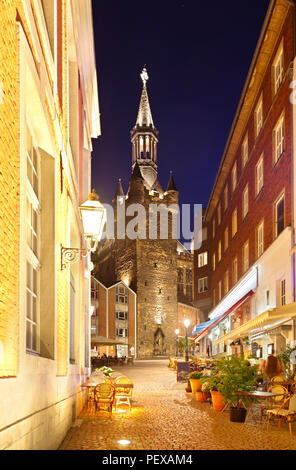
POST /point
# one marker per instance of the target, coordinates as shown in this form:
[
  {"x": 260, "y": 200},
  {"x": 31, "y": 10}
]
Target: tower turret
[{"x": 144, "y": 138}]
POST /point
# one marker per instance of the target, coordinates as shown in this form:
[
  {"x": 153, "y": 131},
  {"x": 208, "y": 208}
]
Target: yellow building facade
[{"x": 49, "y": 113}]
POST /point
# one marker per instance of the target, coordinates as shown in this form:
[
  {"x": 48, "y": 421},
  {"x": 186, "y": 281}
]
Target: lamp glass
[
  {"x": 93, "y": 216},
  {"x": 186, "y": 323},
  {"x": 177, "y": 331}
]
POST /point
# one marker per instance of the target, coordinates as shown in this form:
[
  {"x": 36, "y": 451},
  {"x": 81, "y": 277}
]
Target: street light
[
  {"x": 186, "y": 323},
  {"x": 177, "y": 349},
  {"x": 93, "y": 218}
]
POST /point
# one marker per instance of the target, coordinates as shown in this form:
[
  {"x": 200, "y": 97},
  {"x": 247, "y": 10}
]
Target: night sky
[{"x": 197, "y": 56}]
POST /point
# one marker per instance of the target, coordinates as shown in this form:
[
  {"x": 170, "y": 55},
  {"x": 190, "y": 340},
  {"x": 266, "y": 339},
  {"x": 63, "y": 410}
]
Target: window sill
[
  {"x": 257, "y": 197},
  {"x": 274, "y": 168}
]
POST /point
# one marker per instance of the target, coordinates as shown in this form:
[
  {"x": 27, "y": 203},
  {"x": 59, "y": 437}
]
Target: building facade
[
  {"x": 250, "y": 216},
  {"x": 113, "y": 318},
  {"x": 49, "y": 113},
  {"x": 148, "y": 261}
]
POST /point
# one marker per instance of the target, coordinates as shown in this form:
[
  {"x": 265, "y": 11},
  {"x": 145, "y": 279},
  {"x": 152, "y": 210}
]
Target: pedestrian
[{"x": 271, "y": 368}]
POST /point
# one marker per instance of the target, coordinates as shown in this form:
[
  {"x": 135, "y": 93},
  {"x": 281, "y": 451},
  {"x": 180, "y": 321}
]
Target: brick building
[
  {"x": 250, "y": 271},
  {"x": 49, "y": 113},
  {"x": 113, "y": 318},
  {"x": 149, "y": 263}
]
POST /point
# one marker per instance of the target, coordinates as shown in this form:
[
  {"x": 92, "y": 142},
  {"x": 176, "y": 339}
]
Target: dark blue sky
[{"x": 197, "y": 55}]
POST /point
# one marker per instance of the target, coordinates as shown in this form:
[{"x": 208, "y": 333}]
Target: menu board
[{"x": 182, "y": 371}]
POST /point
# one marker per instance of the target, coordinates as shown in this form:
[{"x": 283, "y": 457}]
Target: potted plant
[
  {"x": 107, "y": 371},
  {"x": 212, "y": 385},
  {"x": 237, "y": 375},
  {"x": 194, "y": 378},
  {"x": 200, "y": 395}
]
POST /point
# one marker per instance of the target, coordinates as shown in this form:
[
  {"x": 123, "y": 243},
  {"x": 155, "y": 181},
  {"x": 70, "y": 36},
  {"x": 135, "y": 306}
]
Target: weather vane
[{"x": 144, "y": 75}]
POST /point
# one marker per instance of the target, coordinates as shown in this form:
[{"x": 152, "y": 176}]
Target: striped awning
[
  {"x": 201, "y": 327},
  {"x": 265, "y": 321},
  {"x": 224, "y": 315}
]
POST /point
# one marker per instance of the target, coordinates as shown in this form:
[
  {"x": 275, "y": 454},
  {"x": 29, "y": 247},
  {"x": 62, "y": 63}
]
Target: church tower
[{"x": 144, "y": 138}]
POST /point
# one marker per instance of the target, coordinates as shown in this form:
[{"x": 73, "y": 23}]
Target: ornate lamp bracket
[{"x": 71, "y": 255}]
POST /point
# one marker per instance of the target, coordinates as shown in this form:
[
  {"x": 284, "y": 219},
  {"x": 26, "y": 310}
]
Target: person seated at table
[{"x": 270, "y": 369}]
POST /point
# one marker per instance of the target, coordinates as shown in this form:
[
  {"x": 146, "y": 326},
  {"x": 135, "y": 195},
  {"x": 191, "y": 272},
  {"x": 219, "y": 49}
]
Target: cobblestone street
[{"x": 165, "y": 417}]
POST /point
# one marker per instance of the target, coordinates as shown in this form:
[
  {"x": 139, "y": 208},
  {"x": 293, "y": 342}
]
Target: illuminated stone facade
[
  {"x": 148, "y": 266},
  {"x": 49, "y": 113}
]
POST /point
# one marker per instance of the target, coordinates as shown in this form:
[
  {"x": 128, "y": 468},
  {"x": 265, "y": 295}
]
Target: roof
[{"x": 144, "y": 117}]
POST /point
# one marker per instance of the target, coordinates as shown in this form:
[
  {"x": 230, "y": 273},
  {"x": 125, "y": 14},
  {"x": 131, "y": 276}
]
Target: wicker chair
[
  {"x": 276, "y": 401},
  {"x": 123, "y": 391},
  {"x": 282, "y": 413},
  {"x": 277, "y": 380},
  {"x": 104, "y": 396}
]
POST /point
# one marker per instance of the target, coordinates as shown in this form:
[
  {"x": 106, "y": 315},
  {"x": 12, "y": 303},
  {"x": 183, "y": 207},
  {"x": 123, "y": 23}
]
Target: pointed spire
[
  {"x": 144, "y": 114},
  {"x": 119, "y": 190},
  {"x": 171, "y": 184},
  {"x": 136, "y": 172}
]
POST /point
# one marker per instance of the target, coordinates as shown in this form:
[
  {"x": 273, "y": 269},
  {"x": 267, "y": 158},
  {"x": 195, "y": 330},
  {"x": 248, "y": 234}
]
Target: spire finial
[{"x": 144, "y": 75}]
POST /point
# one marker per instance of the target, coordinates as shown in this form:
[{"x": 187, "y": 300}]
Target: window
[
  {"x": 259, "y": 117},
  {"x": 121, "y": 315},
  {"x": 33, "y": 242},
  {"x": 188, "y": 276},
  {"x": 234, "y": 177},
  {"x": 226, "y": 239},
  {"x": 214, "y": 262},
  {"x": 121, "y": 294},
  {"x": 234, "y": 222},
  {"x": 226, "y": 282},
  {"x": 260, "y": 239},
  {"x": 220, "y": 290},
  {"x": 202, "y": 285},
  {"x": 72, "y": 319},
  {"x": 202, "y": 259},
  {"x": 278, "y": 140},
  {"x": 278, "y": 69},
  {"x": 259, "y": 176},
  {"x": 246, "y": 256},
  {"x": 234, "y": 271},
  {"x": 219, "y": 213},
  {"x": 225, "y": 198},
  {"x": 245, "y": 152},
  {"x": 214, "y": 228},
  {"x": 214, "y": 297},
  {"x": 219, "y": 251},
  {"x": 122, "y": 332},
  {"x": 279, "y": 215},
  {"x": 283, "y": 292},
  {"x": 245, "y": 203}
]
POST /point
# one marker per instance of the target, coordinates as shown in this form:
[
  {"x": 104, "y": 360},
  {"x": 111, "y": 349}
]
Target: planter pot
[
  {"x": 201, "y": 396},
  {"x": 195, "y": 385},
  {"x": 238, "y": 415},
  {"x": 217, "y": 400}
]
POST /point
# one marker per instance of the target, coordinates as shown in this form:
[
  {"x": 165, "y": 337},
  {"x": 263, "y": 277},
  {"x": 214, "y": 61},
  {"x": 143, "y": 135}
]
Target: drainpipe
[{"x": 293, "y": 130}]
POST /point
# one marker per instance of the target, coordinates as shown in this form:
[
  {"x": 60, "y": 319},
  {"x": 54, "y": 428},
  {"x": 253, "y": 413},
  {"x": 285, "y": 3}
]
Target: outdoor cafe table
[{"x": 257, "y": 394}]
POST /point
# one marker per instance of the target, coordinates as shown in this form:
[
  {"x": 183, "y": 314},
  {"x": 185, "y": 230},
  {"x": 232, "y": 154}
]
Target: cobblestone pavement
[{"x": 165, "y": 417}]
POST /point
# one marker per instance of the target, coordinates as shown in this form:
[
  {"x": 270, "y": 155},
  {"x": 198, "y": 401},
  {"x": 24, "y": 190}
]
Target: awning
[
  {"x": 264, "y": 322},
  {"x": 101, "y": 340},
  {"x": 201, "y": 327},
  {"x": 217, "y": 320}
]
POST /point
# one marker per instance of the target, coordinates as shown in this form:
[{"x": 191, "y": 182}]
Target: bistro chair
[
  {"x": 278, "y": 379},
  {"x": 281, "y": 413},
  {"x": 123, "y": 391},
  {"x": 104, "y": 396},
  {"x": 274, "y": 402}
]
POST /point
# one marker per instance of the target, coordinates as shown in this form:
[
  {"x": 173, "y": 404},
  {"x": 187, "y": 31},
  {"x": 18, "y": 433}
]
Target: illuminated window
[
  {"x": 245, "y": 152},
  {"x": 259, "y": 176},
  {"x": 226, "y": 239},
  {"x": 214, "y": 228},
  {"x": 283, "y": 292},
  {"x": 219, "y": 251},
  {"x": 214, "y": 262},
  {"x": 202, "y": 259},
  {"x": 260, "y": 239},
  {"x": 234, "y": 271},
  {"x": 234, "y": 177},
  {"x": 278, "y": 140},
  {"x": 220, "y": 290},
  {"x": 245, "y": 202},
  {"x": 225, "y": 198},
  {"x": 246, "y": 256},
  {"x": 259, "y": 117},
  {"x": 219, "y": 213},
  {"x": 278, "y": 69},
  {"x": 226, "y": 282},
  {"x": 234, "y": 222}
]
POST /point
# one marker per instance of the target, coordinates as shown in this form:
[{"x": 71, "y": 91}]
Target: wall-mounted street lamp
[
  {"x": 177, "y": 348},
  {"x": 186, "y": 323},
  {"x": 93, "y": 217}
]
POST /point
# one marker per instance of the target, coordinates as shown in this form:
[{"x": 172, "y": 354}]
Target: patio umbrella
[{"x": 101, "y": 340}]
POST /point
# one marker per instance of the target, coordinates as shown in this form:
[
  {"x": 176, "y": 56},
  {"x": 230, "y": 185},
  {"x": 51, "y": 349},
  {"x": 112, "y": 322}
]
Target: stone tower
[{"x": 148, "y": 263}]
